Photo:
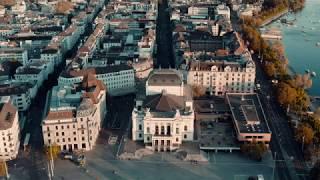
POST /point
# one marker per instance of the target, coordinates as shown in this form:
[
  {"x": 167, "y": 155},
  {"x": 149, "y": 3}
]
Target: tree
[
  {"x": 52, "y": 151},
  {"x": 63, "y": 7},
  {"x": 270, "y": 69},
  {"x": 315, "y": 171},
  {"x": 286, "y": 95},
  {"x": 302, "y": 100},
  {"x": 302, "y": 81},
  {"x": 254, "y": 150},
  {"x": 7, "y": 3},
  {"x": 3, "y": 169},
  {"x": 198, "y": 91},
  {"x": 304, "y": 134}
]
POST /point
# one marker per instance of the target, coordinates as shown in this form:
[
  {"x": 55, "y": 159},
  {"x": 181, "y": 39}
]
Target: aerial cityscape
[{"x": 159, "y": 89}]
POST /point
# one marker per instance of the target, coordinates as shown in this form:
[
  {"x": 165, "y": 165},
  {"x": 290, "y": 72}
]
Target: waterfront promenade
[{"x": 274, "y": 18}]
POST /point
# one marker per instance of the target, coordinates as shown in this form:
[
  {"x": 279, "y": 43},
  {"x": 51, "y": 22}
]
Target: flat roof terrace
[{"x": 247, "y": 113}]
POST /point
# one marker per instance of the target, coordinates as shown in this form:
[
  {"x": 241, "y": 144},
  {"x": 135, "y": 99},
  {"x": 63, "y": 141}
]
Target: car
[
  {"x": 65, "y": 155},
  {"x": 258, "y": 177},
  {"x": 258, "y": 86}
]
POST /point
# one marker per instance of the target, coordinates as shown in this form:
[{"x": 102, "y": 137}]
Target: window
[
  {"x": 69, "y": 139},
  {"x": 185, "y": 136},
  {"x": 62, "y": 133},
  {"x": 63, "y": 140},
  {"x": 57, "y": 134},
  {"x": 83, "y": 138},
  {"x": 186, "y": 128},
  {"x": 148, "y": 138},
  {"x": 74, "y": 126},
  {"x": 56, "y": 127},
  {"x": 162, "y": 130},
  {"x": 157, "y": 130},
  {"x": 140, "y": 127},
  {"x": 62, "y": 127},
  {"x": 177, "y": 130},
  {"x": 49, "y": 141},
  {"x": 48, "y": 129},
  {"x": 48, "y": 134},
  {"x": 75, "y": 139},
  {"x": 168, "y": 130},
  {"x": 74, "y": 132},
  {"x": 148, "y": 130},
  {"x": 177, "y": 139},
  {"x": 140, "y": 135},
  {"x": 68, "y": 127}
]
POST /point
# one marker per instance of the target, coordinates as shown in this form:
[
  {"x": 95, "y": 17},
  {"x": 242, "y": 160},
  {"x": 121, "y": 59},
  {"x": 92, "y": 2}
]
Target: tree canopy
[
  {"x": 63, "y": 7},
  {"x": 7, "y": 2},
  {"x": 304, "y": 134},
  {"x": 198, "y": 91}
]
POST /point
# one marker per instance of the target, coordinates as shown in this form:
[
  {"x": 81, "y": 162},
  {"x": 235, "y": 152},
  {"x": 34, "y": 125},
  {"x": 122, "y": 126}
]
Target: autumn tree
[
  {"x": 270, "y": 69},
  {"x": 7, "y": 3},
  {"x": 286, "y": 94},
  {"x": 304, "y": 134},
  {"x": 63, "y": 7},
  {"x": 52, "y": 151},
  {"x": 254, "y": 150},
  {"x": 302, "y": 101},
  {"x": 198, "y": 91},
  {"x": 302, "y": 81}
]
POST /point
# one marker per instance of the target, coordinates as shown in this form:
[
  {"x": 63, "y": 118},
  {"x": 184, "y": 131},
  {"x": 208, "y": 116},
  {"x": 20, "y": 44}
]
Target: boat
[
  {"x": 318, "y": 44},
  {"x": 313, "y": 74},
  {"x": 307, "y": 70}
]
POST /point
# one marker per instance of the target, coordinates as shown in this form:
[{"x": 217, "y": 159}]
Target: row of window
[
  {"x": 69, "y": 139},
  {"x": 74, "y": 133},
  {"x": 162, "y": 129}
]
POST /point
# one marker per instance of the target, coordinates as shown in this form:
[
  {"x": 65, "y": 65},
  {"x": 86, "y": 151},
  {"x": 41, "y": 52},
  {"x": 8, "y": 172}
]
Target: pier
[
  {"x": 274, "y": 18},
  {"x": 271, "y": 34}
]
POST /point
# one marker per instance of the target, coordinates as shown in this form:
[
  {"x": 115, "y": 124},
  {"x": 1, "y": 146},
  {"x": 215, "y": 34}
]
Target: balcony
[{"x": 162, "y": 135}]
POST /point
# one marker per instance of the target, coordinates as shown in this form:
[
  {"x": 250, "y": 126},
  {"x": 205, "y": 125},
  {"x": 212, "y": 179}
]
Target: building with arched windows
[
  {"x": 164, "y": 118},
  {"x": 221, "y": 76}
]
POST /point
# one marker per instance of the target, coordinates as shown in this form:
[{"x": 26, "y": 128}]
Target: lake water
[{"x": 300, "y": 41}]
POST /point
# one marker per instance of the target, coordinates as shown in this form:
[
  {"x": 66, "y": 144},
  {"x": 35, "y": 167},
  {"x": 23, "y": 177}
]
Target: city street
[
  {"x": 283, "y": 143},
  {"x": 165, "y": 57}
]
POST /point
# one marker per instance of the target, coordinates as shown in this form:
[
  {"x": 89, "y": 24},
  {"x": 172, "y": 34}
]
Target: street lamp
[{"x": 275, "y": 161}]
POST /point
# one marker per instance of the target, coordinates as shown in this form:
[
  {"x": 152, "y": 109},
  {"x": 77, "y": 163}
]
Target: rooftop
[
  {"x": 167, "y": 77},
  {"x": 15, "y": 88},
  {"x": 7, "y": 115},
  {"x": 247, "y": 113}
]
